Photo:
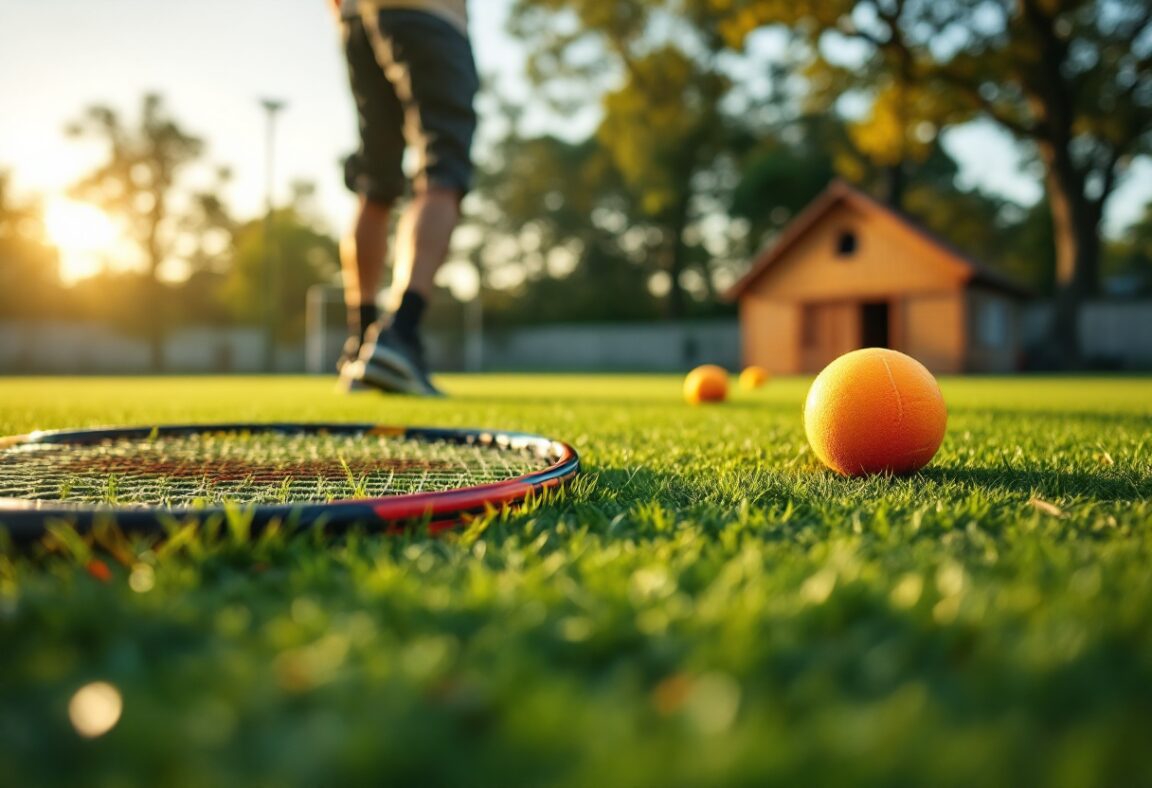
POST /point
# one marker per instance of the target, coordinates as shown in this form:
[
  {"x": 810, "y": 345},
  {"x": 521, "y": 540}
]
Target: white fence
[
  {"x": 1112, "y": 333},
  {"x": 643, "y": 347},
  {"x": 1116, "y": 334},
  {"x": 621, "y": 347},
  {"x": 81, "y": 348},
  {"x": 57, "y": 348}
]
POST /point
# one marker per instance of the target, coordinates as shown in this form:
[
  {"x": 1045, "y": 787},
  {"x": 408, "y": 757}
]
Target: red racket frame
[{"x": 25, "y": 519}]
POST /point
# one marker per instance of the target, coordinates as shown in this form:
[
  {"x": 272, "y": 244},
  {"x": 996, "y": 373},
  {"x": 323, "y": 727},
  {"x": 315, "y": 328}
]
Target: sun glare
[{"x": 81, "y": 232}]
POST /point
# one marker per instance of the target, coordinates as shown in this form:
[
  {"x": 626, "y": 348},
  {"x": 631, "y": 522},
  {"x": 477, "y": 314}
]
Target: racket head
[{"x": 380, "y": 477}]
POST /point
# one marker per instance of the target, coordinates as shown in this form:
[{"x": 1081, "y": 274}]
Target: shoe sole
[
  {"x": 392, "y": 372},
  {"x": 347, "y": 384}
]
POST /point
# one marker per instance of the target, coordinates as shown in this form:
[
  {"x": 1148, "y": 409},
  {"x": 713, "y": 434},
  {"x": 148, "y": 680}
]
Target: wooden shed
[{"x": 850, "y": 272}]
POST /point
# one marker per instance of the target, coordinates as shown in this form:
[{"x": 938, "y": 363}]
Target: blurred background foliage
[{"x": 705, "y": 148}]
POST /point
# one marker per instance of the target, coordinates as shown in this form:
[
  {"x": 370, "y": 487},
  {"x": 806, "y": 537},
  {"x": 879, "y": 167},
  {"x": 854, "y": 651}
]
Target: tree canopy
[
  {"x": 701, "y": 148},
  {"x": 137, "y": 182},
  {"x": 1070, "y": 78}
]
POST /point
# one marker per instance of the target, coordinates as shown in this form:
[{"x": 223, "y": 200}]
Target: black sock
[
  {"x": 408, "y": 314},
  {"x": 359, "y": 318}
]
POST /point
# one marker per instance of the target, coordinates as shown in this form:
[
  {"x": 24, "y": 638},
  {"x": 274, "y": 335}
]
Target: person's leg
[
  {"x": 430, "y": 66},
  {"x": 423, "y": 238},
  {"x": 374, "y": 172},
  {"x": 362, "y": 254}
]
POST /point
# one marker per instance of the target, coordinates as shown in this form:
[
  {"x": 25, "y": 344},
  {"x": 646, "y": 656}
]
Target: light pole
[{"x": 271, "y": 278}]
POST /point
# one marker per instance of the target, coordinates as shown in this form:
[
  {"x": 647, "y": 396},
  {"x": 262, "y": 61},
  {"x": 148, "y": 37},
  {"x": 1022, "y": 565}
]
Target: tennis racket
[{"x": 337, "y": 475}]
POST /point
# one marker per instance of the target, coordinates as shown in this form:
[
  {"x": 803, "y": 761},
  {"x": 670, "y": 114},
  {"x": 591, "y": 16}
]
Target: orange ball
[
  {"x": 753, "y": 378},
  {"x": 707, "y": 383},
  {"x": 875, "y": 411}
]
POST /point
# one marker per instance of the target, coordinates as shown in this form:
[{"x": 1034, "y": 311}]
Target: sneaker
[
  {"x": 350, "y": 379},
  {"x": 391, "y": 363},
  {"x": 350, "y": 352}
]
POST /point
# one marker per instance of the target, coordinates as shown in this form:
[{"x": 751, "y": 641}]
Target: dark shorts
[{"x": 414, "y": 80}]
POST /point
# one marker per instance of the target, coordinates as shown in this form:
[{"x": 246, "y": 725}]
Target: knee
[
  {"x": 375, "y": 208},
  {"x": 440, "y": 194}
]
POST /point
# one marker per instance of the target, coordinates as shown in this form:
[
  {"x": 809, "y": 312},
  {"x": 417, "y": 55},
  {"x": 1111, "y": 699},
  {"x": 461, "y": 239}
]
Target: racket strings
[{"x": 251, "y": 468}]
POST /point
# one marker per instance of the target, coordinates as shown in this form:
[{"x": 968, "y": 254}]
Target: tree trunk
[
  {"x": 674, "y": 306},
  {"x": 156, "y": 358},
  {"x": 676, "y": 301},
  {"x": 1075, "y": 217},
  {"x": 155, "y": 307},
  {"x": 896, "y": 183},
  {"x": 157, "y": 312},
  {"x": 1076, "y": 229}
]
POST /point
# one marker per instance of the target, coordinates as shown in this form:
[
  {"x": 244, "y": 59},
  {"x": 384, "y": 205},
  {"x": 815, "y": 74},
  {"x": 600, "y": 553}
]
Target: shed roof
[{"x": 839, "y": 192}]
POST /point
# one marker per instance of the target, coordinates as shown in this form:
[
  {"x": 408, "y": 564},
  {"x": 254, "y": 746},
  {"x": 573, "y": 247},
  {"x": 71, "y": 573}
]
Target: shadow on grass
[
  {"x": 1101, "y": 487},
  {"x": 630, "y": 486},
  {"x": 1119, "y": 418}
]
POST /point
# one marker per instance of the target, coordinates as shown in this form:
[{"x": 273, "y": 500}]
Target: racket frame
[{"x": 25, "y": 519}]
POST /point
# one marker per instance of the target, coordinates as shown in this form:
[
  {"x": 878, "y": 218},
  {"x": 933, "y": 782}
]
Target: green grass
[{"x": 705, "y": 607}]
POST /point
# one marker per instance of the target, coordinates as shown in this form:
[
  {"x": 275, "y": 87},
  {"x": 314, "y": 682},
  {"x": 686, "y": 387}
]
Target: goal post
[{"x": 325, "y": 327}]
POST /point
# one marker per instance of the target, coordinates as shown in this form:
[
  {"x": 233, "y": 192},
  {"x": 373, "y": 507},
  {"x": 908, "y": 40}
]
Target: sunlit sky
[{"x": 213, "y": 60}]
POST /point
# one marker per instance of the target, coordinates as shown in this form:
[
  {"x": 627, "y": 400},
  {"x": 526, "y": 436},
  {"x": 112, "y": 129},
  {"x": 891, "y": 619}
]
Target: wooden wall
[{"x": 805, "y": 309}]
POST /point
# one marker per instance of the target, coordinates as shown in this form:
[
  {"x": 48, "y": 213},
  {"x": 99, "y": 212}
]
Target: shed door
[
  {"x": 828, "y": 331},
  {"x": 874, "y": 325}
]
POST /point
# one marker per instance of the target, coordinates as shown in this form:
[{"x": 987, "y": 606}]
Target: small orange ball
[
  {"x": 707, "y": 383},
  {"x": 753, "y": 378},
  {"x": 875, "y": 411}
]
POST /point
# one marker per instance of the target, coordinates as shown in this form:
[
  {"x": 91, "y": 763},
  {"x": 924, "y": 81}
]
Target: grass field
[{"x": 704, "y": 607}]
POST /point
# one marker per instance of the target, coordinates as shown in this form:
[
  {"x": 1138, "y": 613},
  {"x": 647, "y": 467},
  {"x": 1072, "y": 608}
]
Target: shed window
[
  {"x": 846, "y": 244},
  {"x": 992, "y": 323}
]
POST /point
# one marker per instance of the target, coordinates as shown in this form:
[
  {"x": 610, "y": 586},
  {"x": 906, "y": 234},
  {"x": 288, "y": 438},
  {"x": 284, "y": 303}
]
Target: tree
[
  {"x": 871, "y": 53},
  {"x": 663, "y": 128},
  {"x": 1074, "y": 78},
  {"x": 211, "y": 226},
  {"x": 29, "y": 282},
  {"x": 785, "y": 173},
  {"x": 781, "y": 174},
  {"x": 1071, "y": 78},
  {"x": 655, "y": 69},
  {"x": 139, "y": 183},
  {"x": 1130, "y": 257},
  {"x": 122, "y": 300},
  {"x": 552, "y": 212},
  {"x": 305, "y": 256}
]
